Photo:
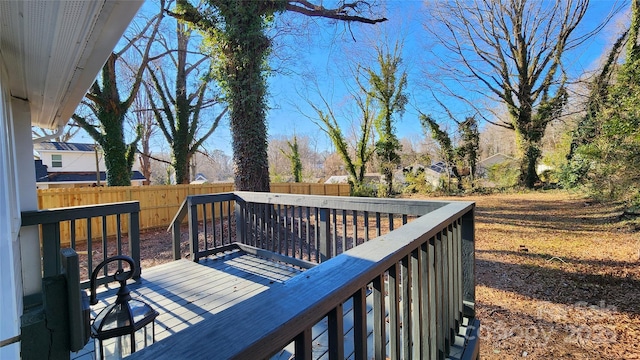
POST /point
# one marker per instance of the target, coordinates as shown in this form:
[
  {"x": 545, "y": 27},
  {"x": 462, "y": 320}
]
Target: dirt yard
[{"x": 558, "y": 277}]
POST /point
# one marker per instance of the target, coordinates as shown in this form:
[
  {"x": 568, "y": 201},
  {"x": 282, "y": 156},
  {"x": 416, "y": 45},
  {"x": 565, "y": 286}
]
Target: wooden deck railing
[
  {"x": 406, "y": 293},
  {"x": 93, "y": 220}
]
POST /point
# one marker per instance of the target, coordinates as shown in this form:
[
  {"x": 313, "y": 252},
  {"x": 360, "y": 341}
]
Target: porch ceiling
[{"x": 54, "y": 49}]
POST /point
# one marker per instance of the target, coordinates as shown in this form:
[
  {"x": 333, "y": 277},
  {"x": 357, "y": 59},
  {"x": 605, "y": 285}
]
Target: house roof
[
  {"x": 53, "y": 50},
  {"x": 63, "y": 146},
  {"x": 87, "y": 177}
]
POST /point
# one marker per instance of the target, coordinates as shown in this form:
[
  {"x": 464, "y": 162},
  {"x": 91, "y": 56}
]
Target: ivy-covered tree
[
  {"x": 105, "y": 101},
  {"x": 294, "y": 157},
  {"x": 511, "y": 51},
  {"x": 179, "y": 114},
  {"x": 236, "y": 31},
  {"x": 355, "y": 158},
  {"x": 387, "y": 88},
  {"x": 461, "y": 160},
  {"x": 611, "y": 151}
]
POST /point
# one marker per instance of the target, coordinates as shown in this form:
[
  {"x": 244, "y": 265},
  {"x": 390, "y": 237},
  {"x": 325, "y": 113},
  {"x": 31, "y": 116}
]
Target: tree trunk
[
  {"x": 115, "y": 150},
  {"x": 529, "y": 155},
  {"x": 245, "y": 51}
]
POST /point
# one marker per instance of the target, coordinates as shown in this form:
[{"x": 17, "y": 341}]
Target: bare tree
[
  {"x": 65, "y": 135},
  {"x": 105, "y": 101},
  {"x": 514, "y": 51},
  {"x": 238, "y": 30},
  {"x": 179, "y": 114}
]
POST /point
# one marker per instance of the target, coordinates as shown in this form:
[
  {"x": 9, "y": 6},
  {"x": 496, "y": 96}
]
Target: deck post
[
  {"x": 193, "y": 230},
  {"x": 468, "y": 264},
  {"x": 324, "y": 228},
  {"x": 241, "y": 226},
  {"x": 134, "y": 241},
  {"x": 175, "y": 235},
  {"x": 51, "y": 245}
]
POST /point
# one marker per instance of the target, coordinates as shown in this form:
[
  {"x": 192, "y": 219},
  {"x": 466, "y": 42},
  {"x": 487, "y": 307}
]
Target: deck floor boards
[{"x": 185, "y": 292}]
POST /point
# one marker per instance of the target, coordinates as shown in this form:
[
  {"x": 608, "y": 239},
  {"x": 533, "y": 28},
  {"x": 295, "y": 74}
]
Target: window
[{"x": 56, "y": 160}]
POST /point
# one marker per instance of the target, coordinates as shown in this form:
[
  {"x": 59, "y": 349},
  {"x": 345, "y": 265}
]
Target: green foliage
[
  {"x": 294, "y": 157},
  {"x": 459, "y": 159},
  {"x": 355, "y": 164},
  {"x": 388, "y": 92},
  {"x": 416, "y": 182},
  {"x": 607, "y": 160},
  {"x": 504, "y": 174}
]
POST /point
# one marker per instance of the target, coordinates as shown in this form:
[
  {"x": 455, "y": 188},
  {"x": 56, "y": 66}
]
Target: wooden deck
[{"x": 185, "y": 292}]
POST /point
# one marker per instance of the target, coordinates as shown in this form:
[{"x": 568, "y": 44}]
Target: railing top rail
[
  {"x": 304, "y": 299},
  {"x": 394, "y": 206},
  {"x": 182, "y": 212},
  {"x": 48, "y": 216},
  {"x": 196, "y": 200}
]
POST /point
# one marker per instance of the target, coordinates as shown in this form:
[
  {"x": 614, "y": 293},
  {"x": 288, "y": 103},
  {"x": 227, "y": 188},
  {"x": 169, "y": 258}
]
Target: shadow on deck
[{"x": 185, "y": 292}]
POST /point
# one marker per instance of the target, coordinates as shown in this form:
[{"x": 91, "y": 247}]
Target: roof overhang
[{"x": 53, "y": 50}]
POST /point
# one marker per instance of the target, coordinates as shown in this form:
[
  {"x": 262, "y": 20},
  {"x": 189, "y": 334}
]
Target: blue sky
[
  {"x": 323, "y": 49},
  {"x": 325, "y": 55}
]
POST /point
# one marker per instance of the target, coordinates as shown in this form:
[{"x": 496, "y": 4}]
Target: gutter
[{"x": 50, "y": 136}]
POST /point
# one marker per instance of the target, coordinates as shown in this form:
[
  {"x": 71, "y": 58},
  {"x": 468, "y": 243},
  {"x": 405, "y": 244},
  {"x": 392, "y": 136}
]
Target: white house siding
[
  {"x": 73, "y": 160},
  {"x": 10, "y": 282}
]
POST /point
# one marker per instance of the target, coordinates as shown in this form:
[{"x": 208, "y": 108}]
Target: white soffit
[{"x": 53, "y": 50}]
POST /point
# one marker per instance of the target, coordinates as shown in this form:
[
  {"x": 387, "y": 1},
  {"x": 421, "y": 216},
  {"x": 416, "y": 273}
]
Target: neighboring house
[
  {"x": 50, "y": 54},
  {"x": 200, "y": 179},
  {"x": 484, "y": 164},
  {"x": 65, "y": 165},
  {"x": 344, "y": 179},
  {"x": 432, "y": 174}
]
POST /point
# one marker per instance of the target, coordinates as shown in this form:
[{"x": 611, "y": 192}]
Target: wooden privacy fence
[{"x": 158, "y": 203}]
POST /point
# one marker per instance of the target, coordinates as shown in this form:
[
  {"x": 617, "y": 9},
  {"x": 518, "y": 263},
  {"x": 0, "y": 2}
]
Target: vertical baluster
[
  {"x": 89, "y": 249},
  {"x": 205, "y": 230},
  {"x": 379, "y": 318},
  {"x": 221, "y": 217},
  {"x": 300, "y": 237},
  {"x": 304, "y": 345},
  {"x": 366, "y": 226},
  {"x": 378, "y": 225},
  {"x": 308, "y": 235},
  {"x": 415, "y": 306},
  {"x": 446, "y": 280},
  {"x": 404, "y": 219},
  {"x": 354, "y": 218},
  {"x": 406, "y": 300},
  {"x": 452, "y": 298},
  {"x": 229, "y": 223},
  {"x": 334, "y": 234},
  {"x": 459, "y": 271},
  {"x": 287, "y": 233},
  {"x": 105, "y": 249},
  {"x": 335, "y": 325},
  {"x": 394, "y": 312},
  {"x": 72, "y": 229},
  {"x": 391, "y": 225},
  {"x": 119, "y": 234},
  {"x": 439, "y": 296},
  {"x": 431, "y": 300},
  {"x": 316, "y": 233},
  {"x": 344, "y": 231},
  {"x": 423, "y": 280},
  {"x": 360, "y": 324}
]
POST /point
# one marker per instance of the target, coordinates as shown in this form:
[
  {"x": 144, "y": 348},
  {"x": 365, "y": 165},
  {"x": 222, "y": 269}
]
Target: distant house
[
  {"x": 67, "y": 165},
  {"x": 344, "y": 179},
  {"x": 200, "y": 179},
  {"x": 432, "y": 173},
  {"x": 484, "y": 164}
]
